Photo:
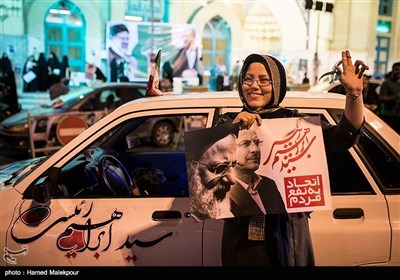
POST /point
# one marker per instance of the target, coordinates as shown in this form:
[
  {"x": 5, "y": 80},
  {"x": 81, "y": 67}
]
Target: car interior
[{"x": 121, "y": 164}]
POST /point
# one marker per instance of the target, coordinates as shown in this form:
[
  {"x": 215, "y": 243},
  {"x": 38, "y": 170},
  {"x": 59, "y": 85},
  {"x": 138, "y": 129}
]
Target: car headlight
[{"x": 19, "y": 128}]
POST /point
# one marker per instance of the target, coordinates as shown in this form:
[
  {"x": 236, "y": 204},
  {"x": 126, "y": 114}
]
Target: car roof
[
  {"x": 76, "y": 94},
  {"x": 226, "y": 99},
  {"x": 231, "y": 98},
  {"x": 336, "y": 86}
]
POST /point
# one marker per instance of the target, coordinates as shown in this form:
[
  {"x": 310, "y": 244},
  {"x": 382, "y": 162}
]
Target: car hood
[
  {"x": 22, "y": 117},
  {"x": 11, "y": 173}
]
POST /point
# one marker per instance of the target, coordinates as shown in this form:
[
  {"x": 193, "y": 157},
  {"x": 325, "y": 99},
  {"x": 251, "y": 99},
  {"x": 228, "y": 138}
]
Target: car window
[
  {"x": 137, "y": 155},
  {"x": 382, "y": 162},
  {"x": 74, "y": 95},
  {"x": 345, "y": 175}
]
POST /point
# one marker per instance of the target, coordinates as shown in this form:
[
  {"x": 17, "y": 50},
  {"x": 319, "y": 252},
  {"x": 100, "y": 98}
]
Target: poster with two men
[{"x": 277, "y": 167}]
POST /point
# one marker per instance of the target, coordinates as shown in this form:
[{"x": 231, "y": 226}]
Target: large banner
[
  {"x": 131, "y": 47},
  {"x": 277, "y": 167}
]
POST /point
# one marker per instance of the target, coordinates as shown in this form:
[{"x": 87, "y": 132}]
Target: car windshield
[
  {"x": 14, "y": 172},
  {"x": 70, "y": 98}
]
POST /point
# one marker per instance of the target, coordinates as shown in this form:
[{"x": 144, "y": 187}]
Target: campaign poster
[
  {"x": 278, "y": 167},
  {"x": 131, "y": 46}
]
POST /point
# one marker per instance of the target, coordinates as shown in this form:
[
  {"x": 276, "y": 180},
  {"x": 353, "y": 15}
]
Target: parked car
[
  {"x": 90, "y": 103},
  {"x": 336, "y": 86},
  {"x": 74, "y": 207},
  {"x": 7, "y": 110},
  {"x": 159, "y": 131}
]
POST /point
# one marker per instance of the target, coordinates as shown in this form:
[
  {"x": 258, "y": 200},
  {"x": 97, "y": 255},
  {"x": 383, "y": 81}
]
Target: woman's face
[{"x": 256, "y": 93}]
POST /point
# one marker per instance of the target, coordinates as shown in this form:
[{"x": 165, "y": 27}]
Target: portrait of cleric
[
  {"x": 123, "y": 66},
  {"x": 210, "y": 159},
  {"x": 222, "y": 164}
]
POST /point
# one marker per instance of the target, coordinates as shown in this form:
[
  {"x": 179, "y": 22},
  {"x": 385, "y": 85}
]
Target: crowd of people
[
  {"x": 38, "y": 73},
  {"x": 52, "y": 75}
]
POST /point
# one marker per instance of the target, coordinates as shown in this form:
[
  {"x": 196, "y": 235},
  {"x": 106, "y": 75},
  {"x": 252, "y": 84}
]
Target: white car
[{"x": 73, "y": 208}]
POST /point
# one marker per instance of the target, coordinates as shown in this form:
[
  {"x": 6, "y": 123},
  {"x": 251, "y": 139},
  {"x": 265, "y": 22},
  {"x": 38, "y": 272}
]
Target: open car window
[{"x": 141, "y": 157}]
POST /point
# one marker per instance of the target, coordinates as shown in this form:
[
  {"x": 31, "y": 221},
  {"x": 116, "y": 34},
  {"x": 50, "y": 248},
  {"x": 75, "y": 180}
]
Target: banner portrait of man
[
  {"x": 134, "y": 43},
  {"x": 123, "y": 66}
]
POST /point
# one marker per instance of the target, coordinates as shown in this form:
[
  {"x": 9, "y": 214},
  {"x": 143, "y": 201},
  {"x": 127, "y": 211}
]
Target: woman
[{"x": 262, "y": 87}]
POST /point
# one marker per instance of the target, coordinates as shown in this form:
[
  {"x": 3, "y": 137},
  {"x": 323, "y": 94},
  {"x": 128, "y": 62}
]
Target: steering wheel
[{"x": 114, "y": 176}]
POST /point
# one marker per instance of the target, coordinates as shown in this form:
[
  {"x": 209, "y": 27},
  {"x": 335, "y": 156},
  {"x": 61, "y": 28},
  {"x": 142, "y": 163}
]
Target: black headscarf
[{"x": 277, "y": 73}]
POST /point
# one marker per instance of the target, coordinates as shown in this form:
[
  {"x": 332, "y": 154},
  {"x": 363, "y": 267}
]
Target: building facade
[{"x": 307, "y": 36}]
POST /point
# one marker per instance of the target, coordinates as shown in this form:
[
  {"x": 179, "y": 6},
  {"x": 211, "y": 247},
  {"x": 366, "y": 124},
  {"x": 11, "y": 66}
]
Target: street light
[{"x": 317, "y": 6}]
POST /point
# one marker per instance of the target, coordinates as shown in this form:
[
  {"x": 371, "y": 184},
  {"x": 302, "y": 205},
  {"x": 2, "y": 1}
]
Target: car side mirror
[
  {"x": 46, "y": 186},
  {"x": 41, "y": 190}
]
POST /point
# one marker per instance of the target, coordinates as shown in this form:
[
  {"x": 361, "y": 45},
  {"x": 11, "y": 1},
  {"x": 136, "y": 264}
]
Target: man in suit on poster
[{"x": 252, "y": 194}]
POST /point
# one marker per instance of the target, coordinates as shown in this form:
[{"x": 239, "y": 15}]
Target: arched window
[
  {"x": 65, "y": 34},
  {"x": 216, "y": 44}
]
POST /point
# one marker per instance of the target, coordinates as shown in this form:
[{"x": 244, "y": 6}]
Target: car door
[
  {"x": 81, "y": 226},
  {"x": 357, "y": 230}
]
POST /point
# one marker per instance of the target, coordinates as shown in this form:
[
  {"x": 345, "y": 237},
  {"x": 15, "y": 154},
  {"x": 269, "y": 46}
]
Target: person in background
[
  {"x": 65, "y": 71},
  {"x": 99, "y": 75},
  {"x": 262, "y": 86},
  {"x": 389, "y": 96},
  {"x": 94, "y": 74},
  {"x": 370, "y": 97},
  {"x": 30, "y": 74},
  {"x": 210, "y": 171},
  {"x": 200, "y": 71},
  {"x": 53, "y": 66},
  {"x": 58, "y": 87},
  {"x": 221, "y": 73},
  {"x": 7, "y": 77},
  {"x": 44, "y": 79},
  {"x": 306, "y": 80},
  {"x": 235, "y": 74},
  {"x": 167, "y": 79},
  {"x": 123, "y": 65},
  {"x": 165, "y": 83}
]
